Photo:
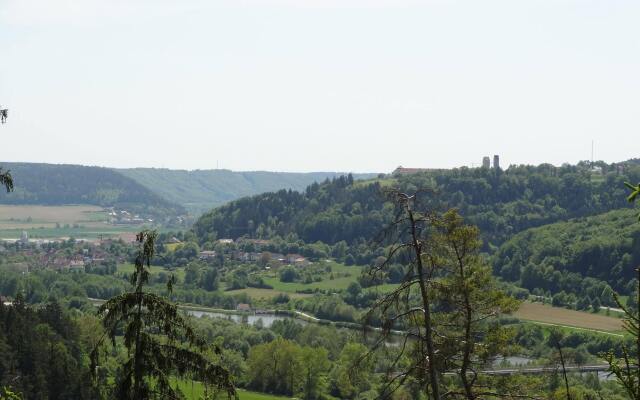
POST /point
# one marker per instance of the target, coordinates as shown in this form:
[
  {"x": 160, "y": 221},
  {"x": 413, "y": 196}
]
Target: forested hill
[
  {"x": 57, "y": 184},
  {"x": 605, "y": 247},
  {"x": 148, "y": 191},
  {"x": 500, "y": 202},
  {"x": 201, "y": 190}
]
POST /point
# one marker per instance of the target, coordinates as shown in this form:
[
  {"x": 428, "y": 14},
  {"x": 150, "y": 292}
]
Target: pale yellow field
[
  {"x": 24, "y": 217},
  {"x": 561, "y": 316}
]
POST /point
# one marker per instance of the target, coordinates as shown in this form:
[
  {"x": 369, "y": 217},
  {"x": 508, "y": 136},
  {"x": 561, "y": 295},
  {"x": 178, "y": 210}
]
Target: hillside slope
[
  {"x": 201, "y": 190},
  {"x": 501, "y": 203},
  {"x": 604, "y": 246},
  {"x": 58, "y": 184}
]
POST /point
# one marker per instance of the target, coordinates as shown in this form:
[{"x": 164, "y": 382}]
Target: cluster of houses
[
  {"x": 293, "y": 259},
  {"x": 60, "y": 260},
  {"x": 245, "y": 256},
  {"x": 255, "y": 256},
  {"x": 123, "y": 217}
]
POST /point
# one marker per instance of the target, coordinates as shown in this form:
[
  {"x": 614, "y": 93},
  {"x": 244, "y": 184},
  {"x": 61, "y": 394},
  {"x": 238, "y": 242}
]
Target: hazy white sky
[{"x": 348, "y": 85}]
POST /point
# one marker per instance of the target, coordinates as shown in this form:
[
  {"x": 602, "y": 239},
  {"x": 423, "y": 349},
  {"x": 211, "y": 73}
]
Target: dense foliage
[
  {"x": 578, "y": 262},
  {"x": 160, "y": 343},
  {"x": 558, "y": 256},
  {"x": 42, "y": 355},
  {"x": 500, "y": 202}
]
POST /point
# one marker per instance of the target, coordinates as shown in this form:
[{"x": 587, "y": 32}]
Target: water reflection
[{"x": 250, "y": 319}]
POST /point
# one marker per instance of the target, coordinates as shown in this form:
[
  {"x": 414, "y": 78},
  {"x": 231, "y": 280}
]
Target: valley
[
  {"x": 280, "y": 271},
  {"x": 319, "y": 200}
]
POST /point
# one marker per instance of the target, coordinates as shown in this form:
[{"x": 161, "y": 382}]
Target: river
[{"x": 251, "y": 319}]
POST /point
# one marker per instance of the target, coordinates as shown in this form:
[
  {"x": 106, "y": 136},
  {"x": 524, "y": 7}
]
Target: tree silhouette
[
  {"x": 159, "y": 341},
  {"x": 5, "y": 176}
]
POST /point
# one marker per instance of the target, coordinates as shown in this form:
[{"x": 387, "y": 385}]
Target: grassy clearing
[
  {"x": 326, "y": 284},
  {"x": 265, "y": 294},
  {"x": 195, "y": 391},
  {"x": 545, "y": 314},
  {"x": 245, "y": 395},
  {"x": 343, "y": 277},
  {"x": 384, "y": 182},
  {"x": 128, "y": 268}
]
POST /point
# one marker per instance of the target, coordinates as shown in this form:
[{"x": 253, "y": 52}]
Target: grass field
[
  {"x": 339, "y": 282},
  {"x": 265, "y": 294},
  {"x": 543, "y": 313},
  {"x": 128, "y": 268},
  {"x": 245, "y": 395},
  {"x": 384, "y": 182},
  {"x": 195, "y": 391},
  {"x": 343, "y": 277},
  {"x": 57, "y": 221}
]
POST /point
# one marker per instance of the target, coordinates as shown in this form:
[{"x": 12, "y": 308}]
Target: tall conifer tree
[{"x": 160, "y": 343}]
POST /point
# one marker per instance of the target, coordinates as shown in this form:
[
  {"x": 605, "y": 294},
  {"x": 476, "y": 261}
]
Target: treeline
[
  {"x": 53, "y": 184},
  {"x": 74, "y": 288},
  {"x": 500, "y": 202}
]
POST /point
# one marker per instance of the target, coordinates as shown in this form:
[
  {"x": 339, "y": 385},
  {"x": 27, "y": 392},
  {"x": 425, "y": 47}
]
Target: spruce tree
[{"x": 160, "y": 343}]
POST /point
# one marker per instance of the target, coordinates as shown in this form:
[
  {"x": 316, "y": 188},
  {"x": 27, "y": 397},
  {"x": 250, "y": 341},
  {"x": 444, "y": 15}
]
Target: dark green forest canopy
[
  {"x": 605, "y": 247},
  {"x": 500, "y": 202},
  {"x": 41, "y": 356}
]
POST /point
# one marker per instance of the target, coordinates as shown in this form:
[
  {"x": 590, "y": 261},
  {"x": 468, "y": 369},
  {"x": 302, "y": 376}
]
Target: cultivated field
[
  {"x": 36, "y": 216},
  {"x": 537, "y": 312},
  {"x": 57, "y": 221}
]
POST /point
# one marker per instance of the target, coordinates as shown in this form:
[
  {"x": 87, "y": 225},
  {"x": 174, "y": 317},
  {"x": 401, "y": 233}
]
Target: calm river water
[{"x": 251, "y": 319}]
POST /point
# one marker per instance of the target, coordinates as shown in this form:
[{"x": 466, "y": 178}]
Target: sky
[{"x": 319, "y": 85}]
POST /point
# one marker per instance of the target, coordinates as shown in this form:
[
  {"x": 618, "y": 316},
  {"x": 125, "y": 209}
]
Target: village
[
  {"x": 83, "y": 255},
  {"x": 63, "y": 255},
  {"x": 265, "y": 258}
]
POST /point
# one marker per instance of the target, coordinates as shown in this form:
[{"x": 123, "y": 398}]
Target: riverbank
[{"x": 267, "y": 316}]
